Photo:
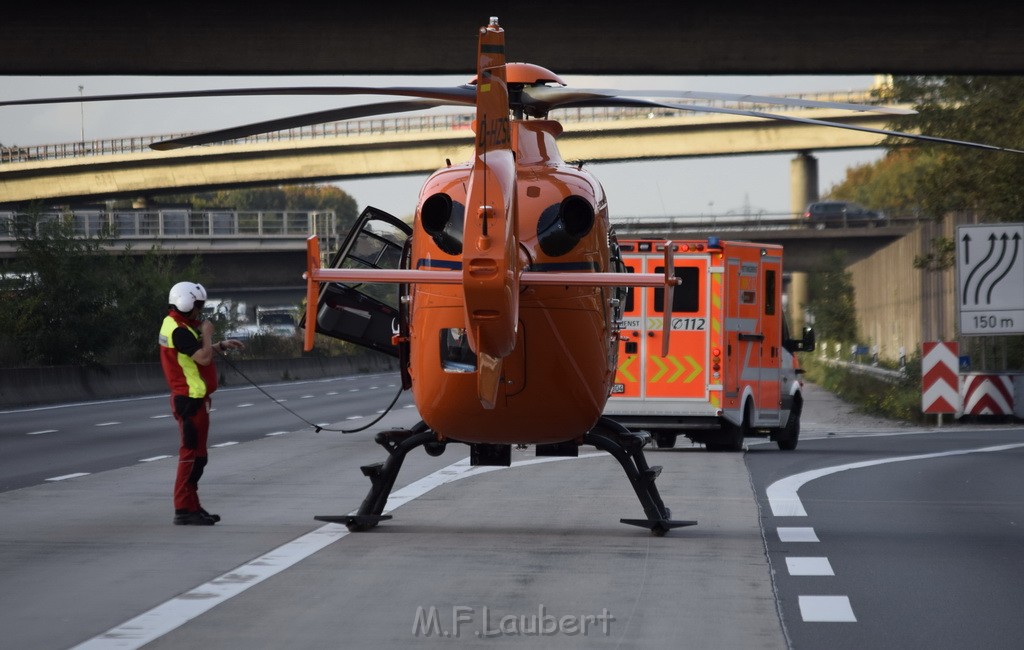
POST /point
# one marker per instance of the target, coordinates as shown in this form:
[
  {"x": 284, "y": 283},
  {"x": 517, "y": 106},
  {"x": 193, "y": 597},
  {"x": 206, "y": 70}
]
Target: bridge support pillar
[{"x": 803, "y": 188}]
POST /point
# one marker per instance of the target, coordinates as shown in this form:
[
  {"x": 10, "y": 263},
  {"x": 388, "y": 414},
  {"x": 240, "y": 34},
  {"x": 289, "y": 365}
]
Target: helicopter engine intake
[
  {"x": 443, "y": 219},
  {"x": 562, "y": 225}
]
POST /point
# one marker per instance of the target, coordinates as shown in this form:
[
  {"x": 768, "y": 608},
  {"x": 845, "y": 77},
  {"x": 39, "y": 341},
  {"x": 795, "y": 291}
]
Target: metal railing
[
  {"x": 392, "y": 125},
  {"x": 181, "y": 223}
]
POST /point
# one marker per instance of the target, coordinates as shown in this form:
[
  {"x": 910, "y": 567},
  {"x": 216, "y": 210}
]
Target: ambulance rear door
[{"x": 682, "y": 374}]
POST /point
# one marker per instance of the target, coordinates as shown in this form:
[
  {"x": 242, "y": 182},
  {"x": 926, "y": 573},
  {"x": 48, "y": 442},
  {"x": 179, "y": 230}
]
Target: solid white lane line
[
  {"x": 809, "y": 566},
  {"x": 174, "y": 613},
  {"x": 782, "y": 494},
  {"x": 67, "y": 476},
  {"x": 150, "y": 460},
  {"x": 40, "y": 432},
  {"x": 797, "y": 534},
  {"x": 826, "y": 609}
]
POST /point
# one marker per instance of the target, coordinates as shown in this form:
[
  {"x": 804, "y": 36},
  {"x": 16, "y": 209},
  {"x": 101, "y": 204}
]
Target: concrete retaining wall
[{"x": 35, "y": 386}]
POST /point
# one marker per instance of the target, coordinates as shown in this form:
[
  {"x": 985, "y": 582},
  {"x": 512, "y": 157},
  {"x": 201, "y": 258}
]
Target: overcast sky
[{"x": 655, "y": 188}]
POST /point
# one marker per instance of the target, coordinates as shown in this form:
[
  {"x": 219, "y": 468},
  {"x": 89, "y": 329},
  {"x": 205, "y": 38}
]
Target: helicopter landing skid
[
  {"x": 608, "y": 435},
  {"x": 628, "y": 448},
  {"x": 382, "y": 476}
]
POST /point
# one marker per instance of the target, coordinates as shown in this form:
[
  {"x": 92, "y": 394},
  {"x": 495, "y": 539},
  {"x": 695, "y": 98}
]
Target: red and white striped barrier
[
  {"x": 940, "y": 365},
  {"x": 987, "y": 394}
]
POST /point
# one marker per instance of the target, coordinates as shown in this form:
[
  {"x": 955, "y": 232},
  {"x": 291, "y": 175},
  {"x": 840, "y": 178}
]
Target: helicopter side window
[
  {"x": 456, "y": 355},
  {"x": 686, "y": 296}
]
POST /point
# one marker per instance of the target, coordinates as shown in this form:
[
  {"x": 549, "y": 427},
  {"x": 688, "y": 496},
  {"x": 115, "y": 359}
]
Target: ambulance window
[
  {"x": 685, "y": 297},
  {"x": 769, "y": 293},
  {"x": 629, "y": 292}
]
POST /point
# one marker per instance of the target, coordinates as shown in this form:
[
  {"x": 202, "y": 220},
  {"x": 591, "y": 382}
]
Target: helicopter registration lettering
[{"x": 493, "y": 132}]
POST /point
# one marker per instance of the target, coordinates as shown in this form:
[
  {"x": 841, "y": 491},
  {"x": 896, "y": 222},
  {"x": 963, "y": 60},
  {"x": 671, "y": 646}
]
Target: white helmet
[{"x": 184, "y": 296}]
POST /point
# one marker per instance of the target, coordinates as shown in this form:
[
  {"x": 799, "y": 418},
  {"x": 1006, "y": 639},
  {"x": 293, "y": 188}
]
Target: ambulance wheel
[
  {"x": 790, "y": 434},
  {"x": 732, "y": 435},
  {"x": 665, "y": 440}
]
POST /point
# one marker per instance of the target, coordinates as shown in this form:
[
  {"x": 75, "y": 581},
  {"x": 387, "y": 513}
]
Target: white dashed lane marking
[
  {"x": 40, "y": 432},
  {"x": 106, "y": 424},
  {"x": 826, "y": 609},
  {"x": 797, "y": 534},
  {"x": 150, "y": 460},
  {"x": 785, "y": 502},
  {"x": 67, "y": 476},
  {"x": 809, "y": 566},
  {"x": 226, "y": 444}
]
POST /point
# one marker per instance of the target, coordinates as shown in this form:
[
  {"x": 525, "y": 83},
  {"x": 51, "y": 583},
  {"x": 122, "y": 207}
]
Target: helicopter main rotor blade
[
  {"x": 787, "y": 118},
  {"x": 296, "y": 121},
  {"x": 457, "y": 95},
  {"x": 553, "y": 97}
]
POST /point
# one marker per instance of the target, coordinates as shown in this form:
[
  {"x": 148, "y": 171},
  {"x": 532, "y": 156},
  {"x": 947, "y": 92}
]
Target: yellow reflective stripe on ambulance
[
  {"x": 626, "y": 375},
  {"x": 695, "y": 369}
]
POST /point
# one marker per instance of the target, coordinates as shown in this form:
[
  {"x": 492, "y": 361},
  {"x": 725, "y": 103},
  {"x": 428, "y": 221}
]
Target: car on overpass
[{"x": 842, "y": 214}]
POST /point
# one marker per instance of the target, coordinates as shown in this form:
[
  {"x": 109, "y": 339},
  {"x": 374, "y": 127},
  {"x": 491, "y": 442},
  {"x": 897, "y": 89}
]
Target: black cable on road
[{"x": 316, "y": 428}]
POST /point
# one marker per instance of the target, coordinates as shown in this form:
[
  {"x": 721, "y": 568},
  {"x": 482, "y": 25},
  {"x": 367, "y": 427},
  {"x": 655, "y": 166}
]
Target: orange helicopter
[
  {"x": 506, "y": 314},
  {"x": 511, "y": 285}
]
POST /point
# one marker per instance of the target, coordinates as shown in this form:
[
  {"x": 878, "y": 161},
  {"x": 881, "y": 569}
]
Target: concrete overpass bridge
[
  {"x": 127, "y": 168},
  {"x": 251, "y": 249}
]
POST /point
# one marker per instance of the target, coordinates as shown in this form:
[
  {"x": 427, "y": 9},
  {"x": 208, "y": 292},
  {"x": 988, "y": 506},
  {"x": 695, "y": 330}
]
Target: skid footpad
[
  {"x": 658, "y": 526},
  {"x": 355, "y": 523}
]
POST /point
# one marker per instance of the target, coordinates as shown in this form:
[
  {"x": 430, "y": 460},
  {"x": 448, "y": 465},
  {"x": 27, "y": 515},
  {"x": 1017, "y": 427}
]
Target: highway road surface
[{"x": 870, "y": 534}]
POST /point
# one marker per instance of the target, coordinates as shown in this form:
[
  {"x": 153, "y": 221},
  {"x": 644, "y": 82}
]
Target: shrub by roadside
[{"x": 898, "y": 400}]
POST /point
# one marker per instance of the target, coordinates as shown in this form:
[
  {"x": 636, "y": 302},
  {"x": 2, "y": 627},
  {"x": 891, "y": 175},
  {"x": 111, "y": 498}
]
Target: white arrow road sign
[{"x": 990, "y": 278}]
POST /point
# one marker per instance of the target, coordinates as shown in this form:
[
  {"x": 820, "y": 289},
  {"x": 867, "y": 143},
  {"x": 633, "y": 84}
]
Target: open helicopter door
[{"x": 367, "y": 314}]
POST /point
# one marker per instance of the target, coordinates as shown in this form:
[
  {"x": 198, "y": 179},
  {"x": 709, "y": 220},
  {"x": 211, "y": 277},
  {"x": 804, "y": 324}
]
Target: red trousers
[{"x": 193, "y": 416}]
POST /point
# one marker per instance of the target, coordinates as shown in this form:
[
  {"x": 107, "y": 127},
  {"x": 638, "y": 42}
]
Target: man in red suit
[{"x": 187, "y": 357}]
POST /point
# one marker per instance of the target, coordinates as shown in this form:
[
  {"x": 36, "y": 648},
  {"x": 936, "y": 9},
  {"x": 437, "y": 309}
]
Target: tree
[
  {"x": 833, "y": 300},
  {"x": 985, "y": 109},
  {"x": 76, "y": 303},
  {"x": 142, "y": 300}
]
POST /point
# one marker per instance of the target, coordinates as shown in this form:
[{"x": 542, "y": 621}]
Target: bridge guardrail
[
  {"x": 184, "y": 222},
  {"x": 271, "y": 224}
]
